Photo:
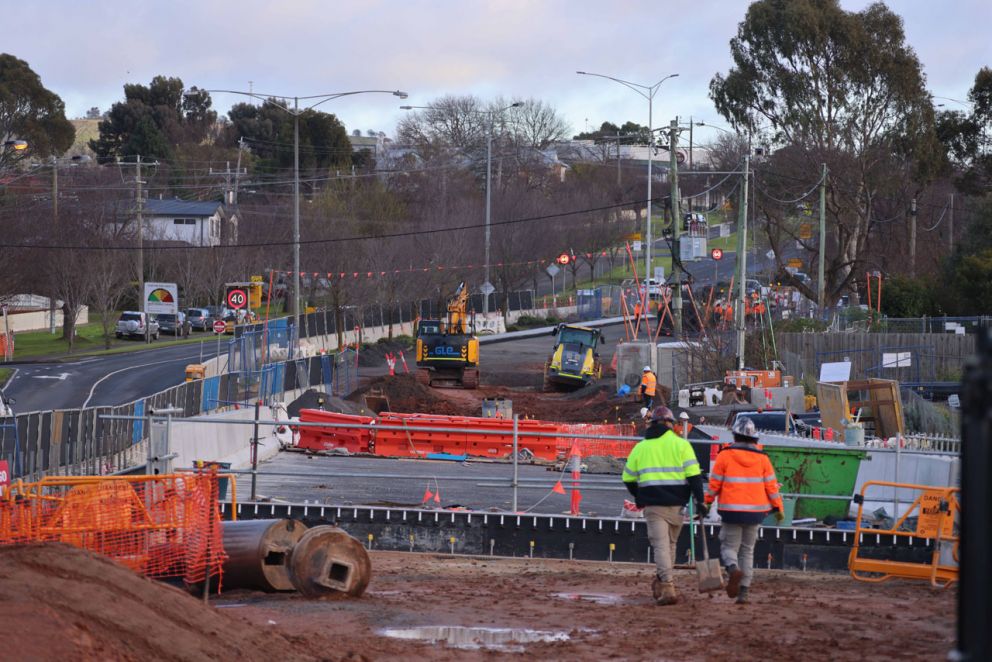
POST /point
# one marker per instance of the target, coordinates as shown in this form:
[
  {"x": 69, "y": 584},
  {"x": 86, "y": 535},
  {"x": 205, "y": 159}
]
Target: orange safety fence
[
  {"x": 936, "y": 511},
  {"x": 165, "y": 526},
  {"x": 606, "y": 447}
]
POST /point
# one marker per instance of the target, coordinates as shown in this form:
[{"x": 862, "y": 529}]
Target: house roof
[{"x": 177, "y": 207}]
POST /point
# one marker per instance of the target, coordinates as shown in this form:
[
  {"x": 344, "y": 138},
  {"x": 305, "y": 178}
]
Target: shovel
[{"x": 708, "y": 572}]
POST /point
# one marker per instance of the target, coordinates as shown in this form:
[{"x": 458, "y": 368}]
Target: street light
[
  {"x": 317, "y": 99},
  {"x": 648, "y": 92},
  {"x": 486, "y": 286}
]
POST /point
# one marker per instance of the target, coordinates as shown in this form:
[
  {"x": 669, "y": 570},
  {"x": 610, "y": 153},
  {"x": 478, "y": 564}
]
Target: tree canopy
[
  {"x": 30, "y": 112},
  {"x": 629, "y": 133},
  {"x": 968, "y": 137},
  {"x": 152, "y": 120},
  {"x": 824, "y": 85}
]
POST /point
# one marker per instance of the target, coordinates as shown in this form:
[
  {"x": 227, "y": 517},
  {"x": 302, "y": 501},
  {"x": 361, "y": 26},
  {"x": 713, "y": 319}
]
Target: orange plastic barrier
[
  {"x": 936, "y": 510},
  {"x": 355, "y": 440},
  {"x": 160, "y": 526}
]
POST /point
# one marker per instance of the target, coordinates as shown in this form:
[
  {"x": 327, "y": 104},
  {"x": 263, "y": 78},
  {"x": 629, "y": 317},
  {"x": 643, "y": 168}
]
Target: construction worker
[
  {"x": 638, "y": 309},
  {"x": 649, "y": 384},
  {"x": 662, "y": 472},
  {"x": 683, "y": 427},
  {"x": 743, "y": 482}
]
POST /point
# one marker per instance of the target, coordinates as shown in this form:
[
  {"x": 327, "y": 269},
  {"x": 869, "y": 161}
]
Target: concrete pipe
[
  {"x": 328, "y": 562},
  {"x": 258, "y": 553}
]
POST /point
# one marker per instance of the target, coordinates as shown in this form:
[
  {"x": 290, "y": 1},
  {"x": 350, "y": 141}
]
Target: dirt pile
[
  {"x": 406, "y": 395},
  {"x": 375, "y": 355},
  {"x": 62, "y": 603}
]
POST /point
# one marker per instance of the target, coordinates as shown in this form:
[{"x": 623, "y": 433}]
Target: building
[{"x": 190, "y": 222}]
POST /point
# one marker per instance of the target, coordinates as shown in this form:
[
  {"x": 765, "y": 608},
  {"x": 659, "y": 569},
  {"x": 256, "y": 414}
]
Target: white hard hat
[
  {"x": 647, "y": 368},
  {"x": 644, "y": 412},
  {"x": 684, "y": 416}
]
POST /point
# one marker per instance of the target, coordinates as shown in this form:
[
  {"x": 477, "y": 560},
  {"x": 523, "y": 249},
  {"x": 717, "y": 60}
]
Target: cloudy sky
[{"x": 86, "y": 51}]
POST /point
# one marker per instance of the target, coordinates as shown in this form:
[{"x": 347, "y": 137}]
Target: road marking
[
  {"x": 13, "y": 376},
  {"x": 115, "y": 372},
  {"x": 61, "y": 376}
]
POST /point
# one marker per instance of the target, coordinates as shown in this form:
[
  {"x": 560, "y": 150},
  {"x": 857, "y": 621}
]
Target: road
[{"x": 104, "y": 380}]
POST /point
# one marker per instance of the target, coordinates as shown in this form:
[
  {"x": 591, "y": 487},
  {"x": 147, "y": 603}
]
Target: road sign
[
  {"x": 161, "y": 298},
  {"x": 552, "y": 270},
  {"x": 716, "y": 254},
  {"x": 564, "y": 258},
  {"x": 795, "y": 263},
  {"x": 237, "y": 298},
  {"x": 770, "y": 255},
  {"x": 806, "y": 231},
  {"x": 4, "y": 476},
  {"x": 487, "y": 288},
  {"x": 636, "y": 247},
  {"x": 219, "y": 326}
]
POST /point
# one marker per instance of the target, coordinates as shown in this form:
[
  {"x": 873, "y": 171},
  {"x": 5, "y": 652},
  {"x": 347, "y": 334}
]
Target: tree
[
  {"x": 630, "y": 133},
  {"x": 93, "y": 113},
  {"x": 834, "y": 87},
  {"x": 537, "y": 124},
  {"x": 152, "y": 120},
  {"x": 30, "y": 112},
  {"x": 968, "y": 137}
]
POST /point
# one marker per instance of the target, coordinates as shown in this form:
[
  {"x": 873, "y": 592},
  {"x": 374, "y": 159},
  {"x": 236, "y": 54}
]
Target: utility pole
[
  {"x": 673, "y": 177},
  {"x": 141, "y": 245},
  {"x": 950, "y": 230},
  {"x": 618, "y": 159},
  {"x": 55, "y": 232},
  {"x": 912, "y": 238},
  {"x": 741, "y": 316},
  {"x": 821, "y": 297},
  {"x": 296, "y": 216},
  {"x": 690, "y": 159}
]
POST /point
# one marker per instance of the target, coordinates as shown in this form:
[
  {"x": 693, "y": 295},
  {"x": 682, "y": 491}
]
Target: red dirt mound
[{"x": 62, "y": 603}]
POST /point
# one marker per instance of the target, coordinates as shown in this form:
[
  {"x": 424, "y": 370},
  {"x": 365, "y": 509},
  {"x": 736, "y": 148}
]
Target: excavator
[
  {"x": 574, "y": 362},
  {"x": 448, "y": 350}
]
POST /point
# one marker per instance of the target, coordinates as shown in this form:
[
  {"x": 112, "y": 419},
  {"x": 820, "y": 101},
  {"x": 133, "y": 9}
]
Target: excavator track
[{"x": 470, "y": 378}]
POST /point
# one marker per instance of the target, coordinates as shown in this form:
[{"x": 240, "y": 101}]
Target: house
[{"x": 190, "y": 222}]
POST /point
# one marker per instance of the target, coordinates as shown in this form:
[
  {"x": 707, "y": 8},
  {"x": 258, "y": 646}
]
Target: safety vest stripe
[
  {"x": 689, "y": 463},
  {"x": 743, "y": 479},
  {"x": 649, "y": 483},
  {"x": 654, "y": 470},
  {"x": 744, "y": 507},
  {"x": 716, "y": 476},
  {"x": 775, "y": 496}
]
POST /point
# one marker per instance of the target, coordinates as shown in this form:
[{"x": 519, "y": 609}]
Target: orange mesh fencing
[
  {"x": 604, "y": 447},
  {"x": 164, "y": 526}
]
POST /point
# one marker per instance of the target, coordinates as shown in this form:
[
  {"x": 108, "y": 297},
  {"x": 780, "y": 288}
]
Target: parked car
[
  {"x": 773, "y": 420},
  {"x": 132, "y": 325},
  {"x": 199, "y": 319},
  {"x": 172, "y": 324}
]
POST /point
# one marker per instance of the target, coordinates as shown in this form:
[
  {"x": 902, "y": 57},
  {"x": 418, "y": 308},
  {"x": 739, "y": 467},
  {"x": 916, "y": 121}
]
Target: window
[{"x": 184, "y": 221}]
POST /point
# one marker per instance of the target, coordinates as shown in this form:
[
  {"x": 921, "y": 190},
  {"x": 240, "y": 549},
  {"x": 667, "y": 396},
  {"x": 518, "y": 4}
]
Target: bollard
[
  {"x": 804, "y": 561},
  {"x": 411, "y": 542},
  {"x": 532, "y": 549},
  {"x": 370, "y": 541},
  {"x": 452, "y": 541},
  {"x": 769, "y": 561},
  {"x": 492, "y": 547},
  {"x": 612, "y": 549},
  {"x": 571, "y": 549}
]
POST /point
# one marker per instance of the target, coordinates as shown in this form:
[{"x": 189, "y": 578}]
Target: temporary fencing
[
  {"x": 394, "y": 434},
  {"x": 165, "y": 526},
  {"x": 936, "y": 512}
]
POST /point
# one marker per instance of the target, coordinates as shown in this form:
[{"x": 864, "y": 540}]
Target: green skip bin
[{"x": 826, "y": 471}]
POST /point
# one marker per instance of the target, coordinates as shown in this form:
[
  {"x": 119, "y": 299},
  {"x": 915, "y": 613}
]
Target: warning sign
[
  {"x": 795, "y": 263},
  {"x": 932, "y": 517},
  {"x": 806, "y": 231}
]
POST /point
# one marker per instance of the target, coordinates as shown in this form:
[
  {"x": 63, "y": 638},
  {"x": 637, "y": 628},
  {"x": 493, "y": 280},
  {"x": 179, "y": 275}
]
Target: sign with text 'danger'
[{"x": 161, "y": 298}]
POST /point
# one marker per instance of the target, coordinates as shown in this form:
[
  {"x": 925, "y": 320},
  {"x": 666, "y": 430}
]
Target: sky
[{"x": 87, "y": 51}]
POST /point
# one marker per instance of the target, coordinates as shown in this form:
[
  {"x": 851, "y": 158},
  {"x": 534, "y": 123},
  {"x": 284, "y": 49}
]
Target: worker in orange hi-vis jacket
[{"x": 743, "y": 483}]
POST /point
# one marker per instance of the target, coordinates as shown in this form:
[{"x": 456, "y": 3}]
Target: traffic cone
[{"x": 558, "y": 489}]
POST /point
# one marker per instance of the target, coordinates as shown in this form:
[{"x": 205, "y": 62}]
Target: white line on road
[
  {"x": 61, "y": 376},
  {"x": 115, "y": 372}
]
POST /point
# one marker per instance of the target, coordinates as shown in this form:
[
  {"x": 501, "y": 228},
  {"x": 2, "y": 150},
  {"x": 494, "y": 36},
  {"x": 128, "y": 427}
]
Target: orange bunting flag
[
  {"x": 558, "y": 489},
  {"x": 437, "y": 497},
  {"x": 427, "y": 495}
]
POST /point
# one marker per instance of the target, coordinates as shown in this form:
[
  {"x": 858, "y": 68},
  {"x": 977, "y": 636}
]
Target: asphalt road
[
  {"x": 391, "y": 482},
  {"x": 104, "y": 380}
]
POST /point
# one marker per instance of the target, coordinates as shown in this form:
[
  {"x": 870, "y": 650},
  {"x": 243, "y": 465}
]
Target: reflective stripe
[
  {"x": 689, "y": 463},
  {"x": 649, "y": 483},
  {"x": 744, "y": 507},
  {"x": 774, "y": 496},
  {"x": 744, "y": 479},
  {"x": 716, "y": 476},
  {"x": 655, "y": 470}
]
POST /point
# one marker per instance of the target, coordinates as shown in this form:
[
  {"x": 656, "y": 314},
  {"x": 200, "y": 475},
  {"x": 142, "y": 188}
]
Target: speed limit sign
[
  {"x": 716, "y": 254},
  {"x": 237, "y": 298}
]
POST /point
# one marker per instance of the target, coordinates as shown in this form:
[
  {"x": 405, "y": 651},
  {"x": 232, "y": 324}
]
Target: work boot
[
  {"x": 734, "y": 583},
  {"x": 664, "y": 592},
  {"x": 742, "y": 597}
]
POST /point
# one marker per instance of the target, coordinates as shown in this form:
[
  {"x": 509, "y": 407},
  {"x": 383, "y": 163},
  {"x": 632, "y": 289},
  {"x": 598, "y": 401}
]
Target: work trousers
[
  {"x": 647, "y": 400},
  {"x": 664, "y": 525},
  {"x": 737, "y": 548}
]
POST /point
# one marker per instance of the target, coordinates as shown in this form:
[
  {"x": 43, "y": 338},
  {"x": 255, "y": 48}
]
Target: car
[
  {"x": 171, "y": 323},
  {"x": 133, "y": 325},
  {"x": 773, "y": 420},
  {"x": 200, "y": 319}
]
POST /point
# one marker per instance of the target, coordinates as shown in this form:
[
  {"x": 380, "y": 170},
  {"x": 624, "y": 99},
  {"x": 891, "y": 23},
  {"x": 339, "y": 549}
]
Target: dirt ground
[
  {"x": 595, "y": 403},
  {"x": 607, "y": 612},
  {"x": 61, "y": 603}
]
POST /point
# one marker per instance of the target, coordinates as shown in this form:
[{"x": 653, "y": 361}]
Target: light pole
[
  {"x": 648, "y": 92},
  {"x": 486, "y": 286},
  {"x": 316, "y": 99}
]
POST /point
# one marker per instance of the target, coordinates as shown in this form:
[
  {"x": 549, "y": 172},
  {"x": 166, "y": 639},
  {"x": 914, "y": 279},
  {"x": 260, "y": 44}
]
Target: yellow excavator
[{"x": 448, "y": 350}]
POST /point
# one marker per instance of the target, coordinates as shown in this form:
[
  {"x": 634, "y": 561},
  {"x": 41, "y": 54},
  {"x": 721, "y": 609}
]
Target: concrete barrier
[{"x": 216, "y": 442}]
